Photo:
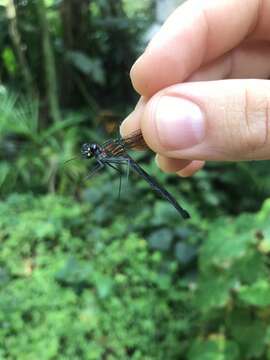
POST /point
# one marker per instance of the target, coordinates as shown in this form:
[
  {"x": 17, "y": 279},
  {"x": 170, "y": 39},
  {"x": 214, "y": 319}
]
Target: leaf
[
  {"x": 257, "y": 294},
  {"x": 9, "y": 60},
  {"x": 59, "y": 126},
  {"x": 263, "y": 215},
  {"x": 164, "y": 213},
  {"x": 228, "y": 242},
  {"x": 185, "y": 253},
  {"x": 25, "y": 122},
  {"x": 74, "y": 272},
  {"x": 264, "y": 245},
  {"x": 161, "y": 239},
  {"x": 249, "y": 332},
  {"x": 251, "y": 268},
  {"x": 88, "y": 66},
  {"x": 4, "y": 276},
  {"x": 104, "y": 287},
  {"x": 184, "y": 232},
  {"x": 214, "y": 291},
  {"x": 4, "y": 172},
  {"x": 216, "y": 348}
]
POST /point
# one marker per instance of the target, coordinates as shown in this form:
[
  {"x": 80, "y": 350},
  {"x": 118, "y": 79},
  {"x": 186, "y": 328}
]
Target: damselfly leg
[
  {"x": 120, "y": 178},
  {"x": 96, "y": 169},
  {"x": 121, "y": 160}
]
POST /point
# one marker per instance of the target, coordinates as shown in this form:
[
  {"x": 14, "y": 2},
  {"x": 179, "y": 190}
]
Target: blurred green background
[{"x": 84, "y": 275}]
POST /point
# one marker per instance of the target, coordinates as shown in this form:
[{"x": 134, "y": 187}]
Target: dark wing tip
[{"x": 135, "y": 140}]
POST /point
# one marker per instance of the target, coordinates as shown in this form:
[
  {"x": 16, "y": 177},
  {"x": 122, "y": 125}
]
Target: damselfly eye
[
  {"x": 93, "y": 148},
  {"x": 86, "y": 150}
]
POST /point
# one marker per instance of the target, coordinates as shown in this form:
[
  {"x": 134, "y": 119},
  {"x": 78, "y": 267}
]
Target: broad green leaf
[
  {"x": 87, "y": 65},
  {"x": 161, "y": 239},
  {"x": 248, "y": 331},
  {"x": 250, "y": 268},
  {"x": 4, "y": 171},
  {"x": 215, "y": 348},
  {"x": 214, "y": 291},
  {"x": 75, "y": 272},
  {"x": 228, "y": 242},
  {"x": 185, "y": 253},
  {"x": 257, "y": 294},
  {"x": 9, "y": 60}
]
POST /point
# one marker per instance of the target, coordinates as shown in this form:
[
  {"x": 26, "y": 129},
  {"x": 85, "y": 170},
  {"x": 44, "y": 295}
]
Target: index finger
[{"x": 195, "y": 34}]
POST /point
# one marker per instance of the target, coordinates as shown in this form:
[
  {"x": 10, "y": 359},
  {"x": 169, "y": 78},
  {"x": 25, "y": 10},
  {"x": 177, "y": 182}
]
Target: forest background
[{"x": 83, "y": 274}]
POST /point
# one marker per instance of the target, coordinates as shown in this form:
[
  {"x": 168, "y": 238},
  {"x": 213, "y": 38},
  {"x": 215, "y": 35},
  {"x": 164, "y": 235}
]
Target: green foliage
[
  {"x": 232, "y": 293},
  {"x": 9, "y": 60},
  {"x": 90, "y": 67},
  {"x": 94, "y": 44},
  {"x": 70, "y": 289},
  {"x": 33, "y": 157}
]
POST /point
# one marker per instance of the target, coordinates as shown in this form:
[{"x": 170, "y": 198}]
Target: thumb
[{"x": 216, "y": 120}]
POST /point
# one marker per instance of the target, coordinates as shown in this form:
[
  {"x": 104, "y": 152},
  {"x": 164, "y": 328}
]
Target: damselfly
[{"x": 114, "y": 153}]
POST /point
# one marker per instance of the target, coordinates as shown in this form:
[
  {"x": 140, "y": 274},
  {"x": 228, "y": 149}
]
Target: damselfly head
[{"x": 89, "y": 150}]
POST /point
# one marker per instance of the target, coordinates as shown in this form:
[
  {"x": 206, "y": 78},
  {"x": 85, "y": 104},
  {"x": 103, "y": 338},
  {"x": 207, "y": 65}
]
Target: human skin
[{"x": 203, "y": 81}]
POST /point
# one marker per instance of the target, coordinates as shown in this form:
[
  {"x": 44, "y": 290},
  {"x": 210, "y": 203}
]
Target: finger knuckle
[{"x": 256, "y": 119}]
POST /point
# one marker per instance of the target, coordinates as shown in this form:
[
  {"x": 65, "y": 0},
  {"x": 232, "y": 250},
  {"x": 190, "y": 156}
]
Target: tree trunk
[
  {"x": 49, "y": 63},
  {"x": 76, "y": 28},
  {"x": 120, "y": 55},
  {"x": 18, "y": 46},
  {"x": 75, "y": 20}
]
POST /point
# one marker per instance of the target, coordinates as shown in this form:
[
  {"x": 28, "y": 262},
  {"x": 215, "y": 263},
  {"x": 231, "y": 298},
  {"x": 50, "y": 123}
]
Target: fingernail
[
  {"x": 132, "y": 121},
  {"x": 133, "y": 70},
  {"x": 180, "y": 123},
  {"x": 157, "y": 160},
  {"x": 125, "y": 123}
]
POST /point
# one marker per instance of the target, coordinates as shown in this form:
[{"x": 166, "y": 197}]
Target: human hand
[{"x": 203, "y": 82}]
